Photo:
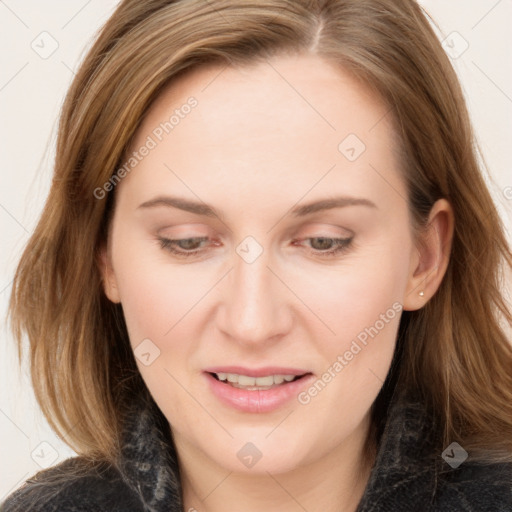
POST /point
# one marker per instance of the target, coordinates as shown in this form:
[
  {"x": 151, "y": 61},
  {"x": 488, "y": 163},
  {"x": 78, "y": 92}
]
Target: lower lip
[{"x": 257, "y": 401}]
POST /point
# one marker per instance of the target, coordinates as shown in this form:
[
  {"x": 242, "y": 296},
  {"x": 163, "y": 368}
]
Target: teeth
[{"x": 258, "y": 382}]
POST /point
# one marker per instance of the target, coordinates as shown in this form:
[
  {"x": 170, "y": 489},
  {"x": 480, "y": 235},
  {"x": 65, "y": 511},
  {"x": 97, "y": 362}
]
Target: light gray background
[{"x": 32, "y": 89}]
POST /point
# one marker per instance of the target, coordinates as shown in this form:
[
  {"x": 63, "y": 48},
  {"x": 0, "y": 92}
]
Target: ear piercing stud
[{"x": 422, "y": 293}]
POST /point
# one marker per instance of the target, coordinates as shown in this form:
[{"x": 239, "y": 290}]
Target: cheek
[
  {"x": 155, "y": 294},
  {"x": 361, "y": 304},
  {"x": 354, "y": 296},
  {"x": 157, "y": 301},
  {"x": 363, "y": 309}
]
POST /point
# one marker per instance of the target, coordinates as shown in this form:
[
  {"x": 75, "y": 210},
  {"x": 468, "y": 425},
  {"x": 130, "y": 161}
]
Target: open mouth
[{"x": 256, "y": 383}]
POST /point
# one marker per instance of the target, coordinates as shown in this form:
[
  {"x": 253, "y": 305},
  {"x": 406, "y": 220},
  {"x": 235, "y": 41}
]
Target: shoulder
[
  {"x": 74, "y": 485},
  {"x": 476, "y": 487}
]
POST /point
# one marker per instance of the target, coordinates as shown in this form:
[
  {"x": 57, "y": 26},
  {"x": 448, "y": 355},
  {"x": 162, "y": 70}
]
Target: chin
[{"x": 258, "y": 453}]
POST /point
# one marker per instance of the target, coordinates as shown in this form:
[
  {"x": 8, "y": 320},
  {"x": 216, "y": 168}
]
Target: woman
[{"x": 267, "y": 276}]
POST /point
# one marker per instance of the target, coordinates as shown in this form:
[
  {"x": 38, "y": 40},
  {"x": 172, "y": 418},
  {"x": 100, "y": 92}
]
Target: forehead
[
  {"x": 272, "y": 124},
  {"x": 305, "y": 87}
]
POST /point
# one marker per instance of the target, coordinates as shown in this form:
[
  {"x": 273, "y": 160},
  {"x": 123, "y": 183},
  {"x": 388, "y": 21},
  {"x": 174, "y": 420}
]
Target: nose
[{"x": 255, "y": 306}]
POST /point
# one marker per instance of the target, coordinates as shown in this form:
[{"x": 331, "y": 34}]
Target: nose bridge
[{"x": 254, "y": 305}]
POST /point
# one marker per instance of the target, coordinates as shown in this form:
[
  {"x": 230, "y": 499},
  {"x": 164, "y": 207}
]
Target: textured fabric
[{"x": 408, "y": 474}]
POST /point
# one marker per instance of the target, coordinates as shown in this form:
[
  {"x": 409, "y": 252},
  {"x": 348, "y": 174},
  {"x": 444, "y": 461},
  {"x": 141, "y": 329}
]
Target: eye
[
  {"x": 187, "y": 247},
  {"x": 183, "y": 247},
  {"x": 328, "y": 246}
]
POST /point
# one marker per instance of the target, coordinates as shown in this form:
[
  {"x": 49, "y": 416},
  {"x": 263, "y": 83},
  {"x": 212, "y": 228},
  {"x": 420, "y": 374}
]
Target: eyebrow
[{"x": 206, "y": 210}]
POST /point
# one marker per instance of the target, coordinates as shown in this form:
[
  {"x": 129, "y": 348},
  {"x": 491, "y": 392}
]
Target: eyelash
[{"x": 342, "y": 245}]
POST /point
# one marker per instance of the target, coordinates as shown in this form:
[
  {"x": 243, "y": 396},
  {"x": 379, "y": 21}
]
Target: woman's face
[{"x": 259, "y": 176}]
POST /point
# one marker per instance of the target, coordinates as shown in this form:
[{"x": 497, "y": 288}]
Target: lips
[{"x": 250, "y": 395}]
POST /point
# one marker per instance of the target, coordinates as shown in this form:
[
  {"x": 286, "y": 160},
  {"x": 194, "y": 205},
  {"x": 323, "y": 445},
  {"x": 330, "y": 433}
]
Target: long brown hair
[{"x": 456, "y": 354}]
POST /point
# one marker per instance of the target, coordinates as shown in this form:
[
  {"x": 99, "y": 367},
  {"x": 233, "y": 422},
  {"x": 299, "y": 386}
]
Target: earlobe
[
  {"x": 432, "y": 256},
  {"x": 107, "y": 274}
]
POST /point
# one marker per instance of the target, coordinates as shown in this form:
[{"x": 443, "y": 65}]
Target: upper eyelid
[
  {"x": 302, "y": 222},
  {"x": 348, "y": 231}
]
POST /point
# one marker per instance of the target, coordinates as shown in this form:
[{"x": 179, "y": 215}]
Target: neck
[{"x": 334, "y": 482}]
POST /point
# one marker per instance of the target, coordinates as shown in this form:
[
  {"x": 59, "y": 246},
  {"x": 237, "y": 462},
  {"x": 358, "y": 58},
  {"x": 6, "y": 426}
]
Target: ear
[
  {"x": 430, "y": 257},
  {"x": 108, "y": 277}
]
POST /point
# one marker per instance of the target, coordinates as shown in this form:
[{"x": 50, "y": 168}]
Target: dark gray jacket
[{"x": 409, "y": 474}]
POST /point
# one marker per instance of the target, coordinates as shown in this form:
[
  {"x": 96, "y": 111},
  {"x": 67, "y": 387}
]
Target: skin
[{"x": 263, "y": 139}]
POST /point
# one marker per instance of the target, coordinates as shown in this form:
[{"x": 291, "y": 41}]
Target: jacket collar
[
  {"x": 148, "y": 461},
  {"x": 408, "y": 462},
  {"x": 404, "y": 470}
]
